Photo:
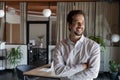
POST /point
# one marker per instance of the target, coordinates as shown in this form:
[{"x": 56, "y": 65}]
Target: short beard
[{"x": 77, "y": 34}]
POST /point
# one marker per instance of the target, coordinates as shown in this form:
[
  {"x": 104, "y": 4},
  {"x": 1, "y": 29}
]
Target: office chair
[{"x": 20, "y": 69}]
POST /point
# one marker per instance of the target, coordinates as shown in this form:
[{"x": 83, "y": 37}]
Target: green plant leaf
[
  {"x": 99, "y": 40},
  {"x": 15, "y": 55},
  {"x": 114, "y": 67}
]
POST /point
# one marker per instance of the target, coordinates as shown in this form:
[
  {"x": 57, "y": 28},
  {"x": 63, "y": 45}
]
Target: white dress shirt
[{"x": 68, "y": 58}]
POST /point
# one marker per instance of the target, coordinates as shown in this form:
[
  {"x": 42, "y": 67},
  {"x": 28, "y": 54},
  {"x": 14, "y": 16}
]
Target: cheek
[
  {"x": 83, "y": 27},
  {"x": 72, "y": 27}
]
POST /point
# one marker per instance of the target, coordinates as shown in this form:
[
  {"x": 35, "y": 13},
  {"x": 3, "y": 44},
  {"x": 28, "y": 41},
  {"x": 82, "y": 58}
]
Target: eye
[{"x": 75, "y": 23}]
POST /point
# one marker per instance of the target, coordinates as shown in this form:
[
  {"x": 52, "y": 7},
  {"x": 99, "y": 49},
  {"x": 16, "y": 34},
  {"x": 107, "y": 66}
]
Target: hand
[{"x": 85, "y": 66}]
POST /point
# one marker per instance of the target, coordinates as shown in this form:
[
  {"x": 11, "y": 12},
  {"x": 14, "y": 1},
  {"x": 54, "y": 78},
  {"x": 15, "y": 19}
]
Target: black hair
[{"x": 72, "y": 13}]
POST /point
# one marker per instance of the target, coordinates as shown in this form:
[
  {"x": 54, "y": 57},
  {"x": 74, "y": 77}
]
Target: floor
[
  {"x": 10, "y": 75},
  {"x": 7, "y": 75}
]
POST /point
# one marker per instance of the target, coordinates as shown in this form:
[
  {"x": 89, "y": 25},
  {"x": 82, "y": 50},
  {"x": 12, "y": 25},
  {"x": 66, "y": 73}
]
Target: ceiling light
[
  {"x": 46, "y": 12},
  {"x": 115, "y": 38},
  {"x": 2, "y": 13}
]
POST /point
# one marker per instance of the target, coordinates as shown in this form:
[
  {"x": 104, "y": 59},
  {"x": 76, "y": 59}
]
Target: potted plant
[
  {"x": 99, "y": 40},
  {"x": 41, "y": 37},
  {"x": 114, "y": 68},
  {"x": 15, "y": 55},
  {"x": 41, "y": 41}
]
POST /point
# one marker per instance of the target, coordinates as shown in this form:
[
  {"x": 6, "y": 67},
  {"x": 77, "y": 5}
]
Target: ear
[{"x": 69, "y": 29}]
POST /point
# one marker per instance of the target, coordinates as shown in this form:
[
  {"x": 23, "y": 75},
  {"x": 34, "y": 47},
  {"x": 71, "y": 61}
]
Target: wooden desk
[{"x": 38, "y": 73}]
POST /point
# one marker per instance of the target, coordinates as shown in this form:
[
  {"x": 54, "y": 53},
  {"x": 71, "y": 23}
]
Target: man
[{"x": 77, "y": 57}]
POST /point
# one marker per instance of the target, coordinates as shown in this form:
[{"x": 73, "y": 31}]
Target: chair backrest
[
  {"x": 51, "y": 49},
  {"x": 20, "y": 69}
]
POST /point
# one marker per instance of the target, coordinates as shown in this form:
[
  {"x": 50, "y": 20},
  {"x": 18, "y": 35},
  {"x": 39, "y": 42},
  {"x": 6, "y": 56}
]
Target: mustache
[{"x": 79, "y": 28}]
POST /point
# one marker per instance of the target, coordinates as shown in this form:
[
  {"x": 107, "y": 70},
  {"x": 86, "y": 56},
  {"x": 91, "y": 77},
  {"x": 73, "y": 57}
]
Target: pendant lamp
[
  {"x": 46, "y": 12},
  {"x": 115, "y": 38}
]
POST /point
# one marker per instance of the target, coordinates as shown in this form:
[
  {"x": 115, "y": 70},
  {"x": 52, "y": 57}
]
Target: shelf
[{"x": 2, "y": 57}]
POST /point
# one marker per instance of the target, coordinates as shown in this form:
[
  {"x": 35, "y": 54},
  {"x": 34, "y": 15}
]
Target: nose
[{"x": 79, "y": 24}]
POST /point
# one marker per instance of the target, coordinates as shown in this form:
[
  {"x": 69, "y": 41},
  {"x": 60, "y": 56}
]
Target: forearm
[
  {"x": 69, "y": 71},
  {"x": 93, "y": 67},
  {"x": 67, "y": 68},
  {"x": 87, "y": 74},
  {"x": 84, "y": 75},
  {"x": 92, "y": 70}
]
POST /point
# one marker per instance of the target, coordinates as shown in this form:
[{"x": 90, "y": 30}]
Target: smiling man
[{"x": 77, "y": 57}]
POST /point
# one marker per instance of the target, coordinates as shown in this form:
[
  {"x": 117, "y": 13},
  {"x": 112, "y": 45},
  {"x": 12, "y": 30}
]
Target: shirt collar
[{"x": 82, "y": 38}]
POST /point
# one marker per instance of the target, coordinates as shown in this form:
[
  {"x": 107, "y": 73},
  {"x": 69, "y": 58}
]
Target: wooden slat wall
[
  {"x": 49, "y": 0},
  {"x": 15, "y": 33}
]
